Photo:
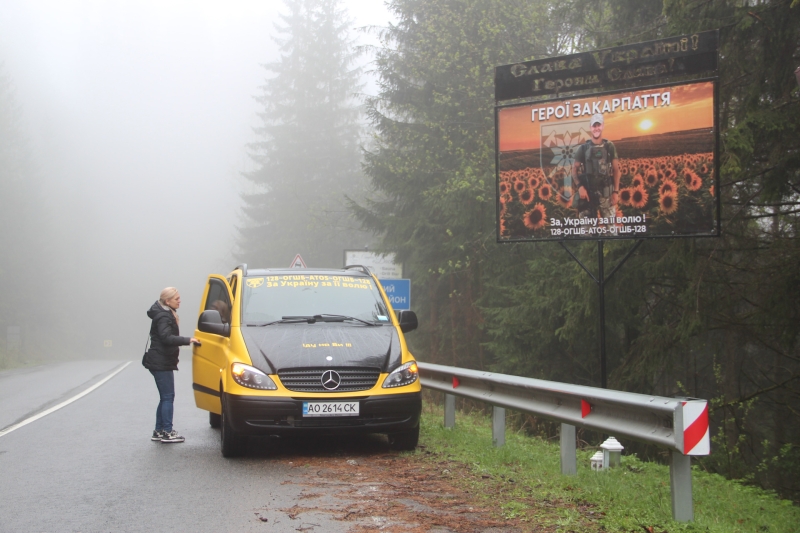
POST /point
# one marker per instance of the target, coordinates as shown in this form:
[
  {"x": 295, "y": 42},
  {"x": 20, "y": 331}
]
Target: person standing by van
[{"x": 162, "y": 359}]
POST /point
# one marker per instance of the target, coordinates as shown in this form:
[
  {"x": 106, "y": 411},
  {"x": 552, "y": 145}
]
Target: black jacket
[{"x": 165, "y": 342}]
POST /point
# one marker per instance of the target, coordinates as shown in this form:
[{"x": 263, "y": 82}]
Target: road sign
[
  {"x": 383, "y": 266},
  {"x": 298, "y": 262},
  {"x": 399, "y": 293}
]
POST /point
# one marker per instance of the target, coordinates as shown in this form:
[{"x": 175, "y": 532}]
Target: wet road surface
[{"x": 91, "y": 467}]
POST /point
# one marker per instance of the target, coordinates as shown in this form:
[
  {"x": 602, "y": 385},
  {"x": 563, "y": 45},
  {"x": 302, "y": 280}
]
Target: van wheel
[
  {"x": 233, "y": 444},
  {"x": 214, "y": 420},
  {"x": 405, "y": 441}
]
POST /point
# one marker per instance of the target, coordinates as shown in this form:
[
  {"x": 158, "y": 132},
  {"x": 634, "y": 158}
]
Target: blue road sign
[{"x": 399, "y": 293}]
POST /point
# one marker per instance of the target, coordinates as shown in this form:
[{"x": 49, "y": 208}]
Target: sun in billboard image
[{"x": 631, "y": 164}]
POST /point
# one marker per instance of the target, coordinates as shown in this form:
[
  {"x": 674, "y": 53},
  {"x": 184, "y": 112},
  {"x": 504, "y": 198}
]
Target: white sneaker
[{"x": 171, "y": 436}]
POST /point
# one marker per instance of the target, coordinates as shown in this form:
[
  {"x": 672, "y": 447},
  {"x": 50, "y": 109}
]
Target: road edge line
[{"x": 78, "y": 396}]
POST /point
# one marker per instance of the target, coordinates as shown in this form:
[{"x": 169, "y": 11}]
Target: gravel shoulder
[{"x": 375, "y": 489}]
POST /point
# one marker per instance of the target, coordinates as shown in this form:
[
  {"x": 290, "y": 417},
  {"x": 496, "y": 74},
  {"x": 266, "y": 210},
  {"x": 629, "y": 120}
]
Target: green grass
[{"x": 522, "y": 480}]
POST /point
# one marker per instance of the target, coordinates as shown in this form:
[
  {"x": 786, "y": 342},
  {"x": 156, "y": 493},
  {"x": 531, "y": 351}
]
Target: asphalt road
[{"x": 90, "y": 466}]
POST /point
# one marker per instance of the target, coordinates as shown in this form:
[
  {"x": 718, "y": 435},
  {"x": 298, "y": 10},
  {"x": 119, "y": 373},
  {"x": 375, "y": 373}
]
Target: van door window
[{"x": 218, "y": 299}]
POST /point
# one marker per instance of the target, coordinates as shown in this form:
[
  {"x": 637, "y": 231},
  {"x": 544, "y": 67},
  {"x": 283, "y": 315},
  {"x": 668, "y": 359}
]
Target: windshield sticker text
[{"x": 300, "y": 280}]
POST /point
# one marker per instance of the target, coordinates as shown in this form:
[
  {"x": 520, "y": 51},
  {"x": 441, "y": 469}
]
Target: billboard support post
[
  {"x": 601, "y": 289},
  {"x": 601, "y": 281}
]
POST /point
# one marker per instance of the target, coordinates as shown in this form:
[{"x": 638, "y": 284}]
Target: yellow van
[{"x": 302, "y": 352}]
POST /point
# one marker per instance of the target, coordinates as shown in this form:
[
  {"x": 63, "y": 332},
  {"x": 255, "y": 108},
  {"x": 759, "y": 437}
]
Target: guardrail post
[
  {"x": 569, "y": 460},
  {"x": 498, "y": 426},
  {"x": 680, "y": 481},
  {"x": 449, "y": 410}
]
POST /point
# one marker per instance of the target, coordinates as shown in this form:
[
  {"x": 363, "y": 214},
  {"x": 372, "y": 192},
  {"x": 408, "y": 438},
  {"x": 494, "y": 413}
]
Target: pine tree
[
  {"x": 432, "y": 162},
  {"x": 307, "y": 153}
]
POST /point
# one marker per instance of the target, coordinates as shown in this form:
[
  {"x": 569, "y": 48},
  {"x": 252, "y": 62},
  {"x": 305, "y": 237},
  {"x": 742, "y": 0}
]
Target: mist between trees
[{"x": 714, "y": 318}]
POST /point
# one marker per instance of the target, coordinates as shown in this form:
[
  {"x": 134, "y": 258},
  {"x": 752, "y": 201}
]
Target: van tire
[
  {"x": 405, "y": 441},
  {"x": 214, "y": 420},
  {"x": 232, "y": 444}
]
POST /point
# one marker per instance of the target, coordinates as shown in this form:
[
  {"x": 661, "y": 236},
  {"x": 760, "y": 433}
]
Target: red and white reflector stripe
[{"x": 696, "y": 439}]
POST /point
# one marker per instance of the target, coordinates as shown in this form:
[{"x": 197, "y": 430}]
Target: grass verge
[{"x": 522, "y": 480}]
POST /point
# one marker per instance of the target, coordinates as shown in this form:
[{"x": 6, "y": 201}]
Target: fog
[{"x": 137, "y": 115}]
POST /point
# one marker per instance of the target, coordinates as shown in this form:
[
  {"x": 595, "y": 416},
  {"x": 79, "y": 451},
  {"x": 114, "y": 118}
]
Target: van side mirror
[
  {"x": 211, "y": 322},
  {"x": 408, "y": 321}
]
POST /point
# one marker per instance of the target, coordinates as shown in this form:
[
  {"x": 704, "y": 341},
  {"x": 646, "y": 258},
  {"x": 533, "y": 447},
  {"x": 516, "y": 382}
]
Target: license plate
[{"x": 330, "y": 408}]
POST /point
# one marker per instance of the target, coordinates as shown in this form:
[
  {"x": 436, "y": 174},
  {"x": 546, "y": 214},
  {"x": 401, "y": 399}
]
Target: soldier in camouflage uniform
[{"x": 598, "y": 184}]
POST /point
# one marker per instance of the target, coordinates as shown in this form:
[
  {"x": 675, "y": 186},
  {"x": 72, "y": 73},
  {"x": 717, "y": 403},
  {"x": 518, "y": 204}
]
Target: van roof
[{"x": 350, "y": 270}]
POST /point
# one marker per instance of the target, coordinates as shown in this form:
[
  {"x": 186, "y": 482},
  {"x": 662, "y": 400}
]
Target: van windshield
[{"x": 267, "y": 299}]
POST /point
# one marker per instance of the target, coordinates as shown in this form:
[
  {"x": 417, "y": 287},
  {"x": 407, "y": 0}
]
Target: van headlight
[
  {"x": 253, "y": 378},
  {"x": 403, "y": 375}
]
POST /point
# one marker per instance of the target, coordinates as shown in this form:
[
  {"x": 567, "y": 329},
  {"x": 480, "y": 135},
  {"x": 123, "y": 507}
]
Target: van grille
[{"x": 310, "y": 379}]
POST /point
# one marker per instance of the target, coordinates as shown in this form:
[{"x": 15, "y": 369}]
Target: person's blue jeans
[{"x": 165, "y": 381}]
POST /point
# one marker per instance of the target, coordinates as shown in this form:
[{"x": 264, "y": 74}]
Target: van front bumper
[{"x": 261, "y": 415}]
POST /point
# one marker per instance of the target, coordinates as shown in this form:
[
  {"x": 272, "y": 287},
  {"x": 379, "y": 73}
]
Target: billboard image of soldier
[
  {"x": 595, "y": 173},
  {"x": 633, "y": 164}
]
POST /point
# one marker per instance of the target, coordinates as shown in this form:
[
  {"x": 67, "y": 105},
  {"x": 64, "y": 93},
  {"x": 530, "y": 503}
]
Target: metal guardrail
[{"x": 678, "y": 424}]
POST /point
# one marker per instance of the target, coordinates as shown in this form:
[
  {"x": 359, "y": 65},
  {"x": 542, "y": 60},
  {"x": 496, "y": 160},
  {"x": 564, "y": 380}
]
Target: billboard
[{"x": 647, "y": 168}]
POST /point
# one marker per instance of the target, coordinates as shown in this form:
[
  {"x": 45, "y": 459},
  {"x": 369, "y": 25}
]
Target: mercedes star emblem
[{"x": 331, "y": 379}]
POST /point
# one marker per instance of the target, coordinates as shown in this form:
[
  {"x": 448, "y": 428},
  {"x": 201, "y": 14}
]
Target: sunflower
[
  {"x": 520, "y": 186},
  {"x": 535, "y": 218},
  {"x": 711, "y": 191},
  {"x": 527, "y": 196},
  {"x": 638, "y": 181},
  {"x": 668, "y": 203},
  {"x": 503, "y": 187},
  {"x": 625, "y": 196},
  {"x": 670, "y": 174},
  {"x": 695, "y": 184},
  {"x": 651, "y": 179},
  {"x": 668, "y": 187},
  {"x": 639, "y": 197},
  {"x": 534, "y": 182},
  {"x": 545, "y": 192},
  {"x": 688, "y": 177},
  {"x": 504, "y": 198}
]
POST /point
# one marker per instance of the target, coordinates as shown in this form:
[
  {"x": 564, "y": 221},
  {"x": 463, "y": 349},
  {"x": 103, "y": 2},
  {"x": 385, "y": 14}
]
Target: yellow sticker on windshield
[
  {"x": 255, "y": 282},
  {"x": 300, "y": 280}
]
